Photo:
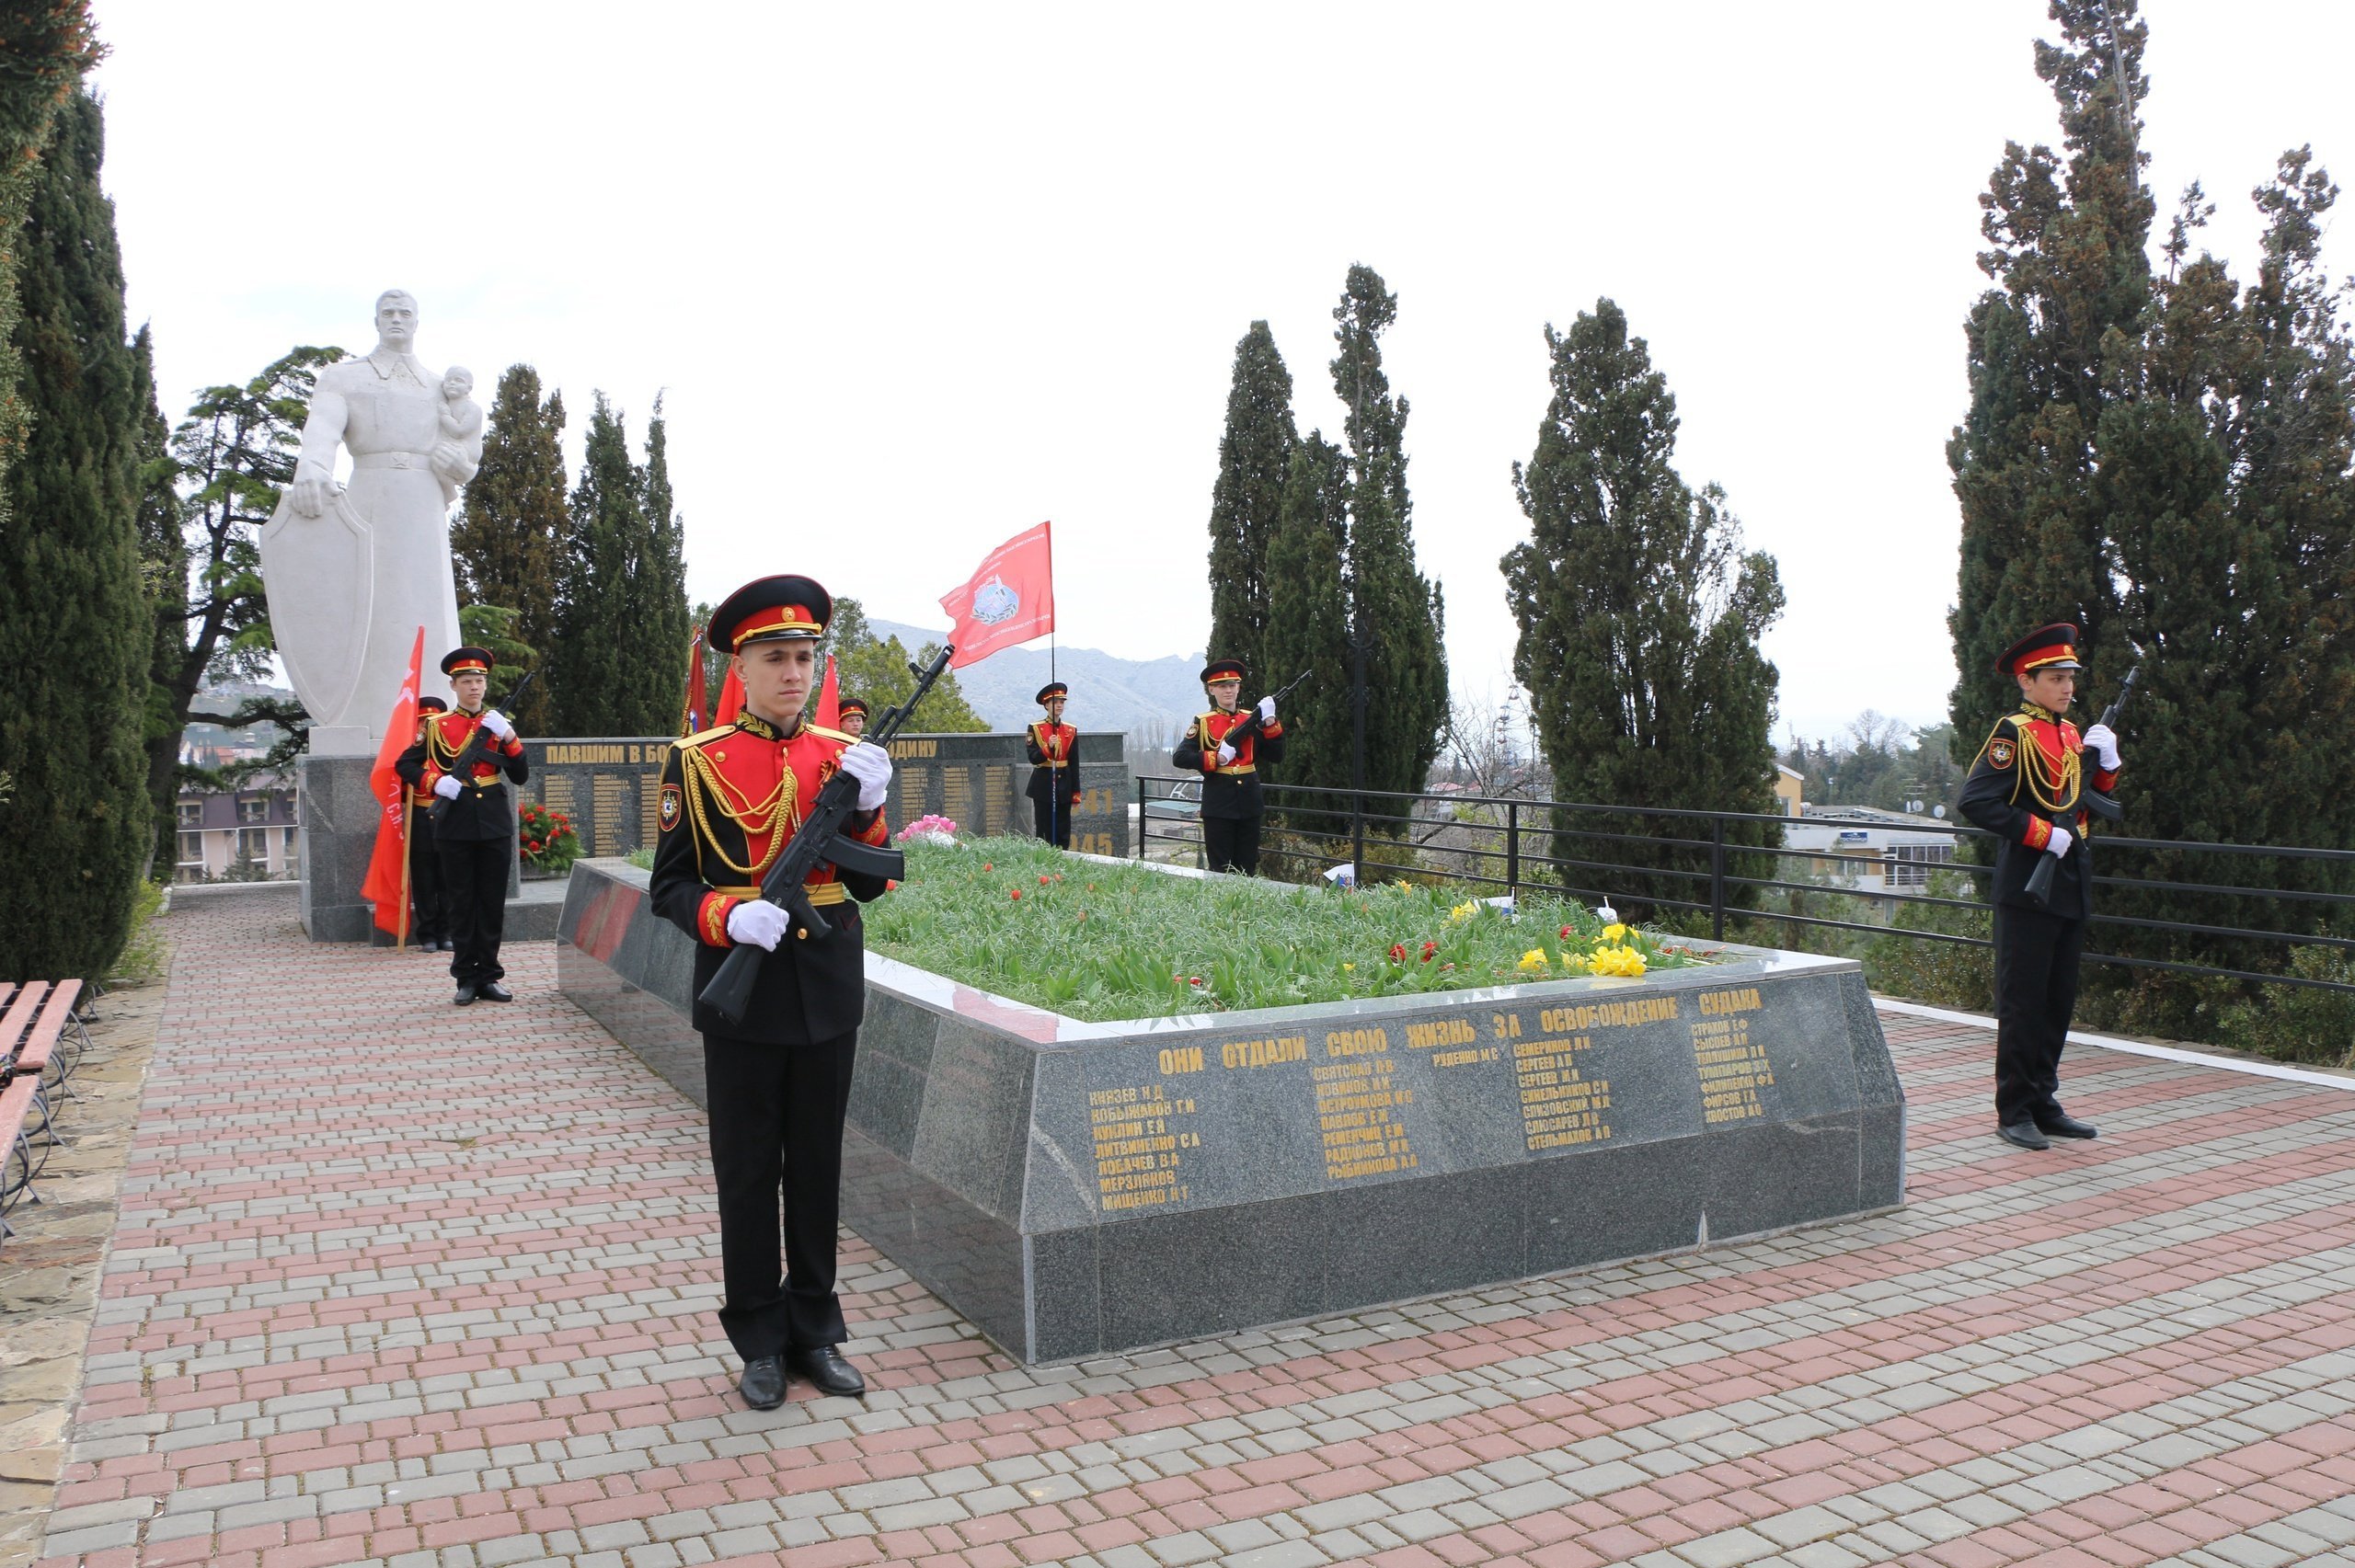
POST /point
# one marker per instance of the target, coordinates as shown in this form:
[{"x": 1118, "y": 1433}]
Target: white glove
[
  {"x": 2060, "y": 842},
  {"x": 2103, "y": 740},
  {"x": 1226, "y": 753},
  {"x": 871, "y": 766},
  {"x": 447, "y": 787},
  {"x": 758, "y": 921},
  {"x": 1266, "y": 710},
  {"x": 496, "y": 722}
]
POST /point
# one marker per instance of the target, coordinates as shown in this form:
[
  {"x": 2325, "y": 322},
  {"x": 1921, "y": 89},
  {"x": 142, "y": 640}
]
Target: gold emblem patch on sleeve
[
  {"x": 1999, "y": 753},
  {"x": 670, "y": 809}
]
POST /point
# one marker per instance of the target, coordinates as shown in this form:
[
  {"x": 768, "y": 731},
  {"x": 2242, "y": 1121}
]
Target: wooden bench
[{"x": 41, "y": 1041}]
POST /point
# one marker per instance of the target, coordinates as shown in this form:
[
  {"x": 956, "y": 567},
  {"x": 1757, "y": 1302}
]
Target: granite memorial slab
[{"x": 1076, "y": 1188}]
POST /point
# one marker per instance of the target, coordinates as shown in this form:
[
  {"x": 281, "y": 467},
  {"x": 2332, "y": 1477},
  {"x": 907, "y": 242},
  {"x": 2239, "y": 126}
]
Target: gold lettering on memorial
[
  {"x": 1274, "y": 1052},
  {"x": 1724, "y": 1003},
  {"x": 609, "y": 800},
  {"x": 1141, "y": 1135},
  {"x": 1607, "y": 1014},
  {"x": 1356, "y": 1042},
  {"x": 997, "y": 794},
  {"x": 1560, "y": 1107},
  {"x": 916, "y": 749},
  {"x": 1355, "y": 1112},
  {"x": 956, "y": 795},
  {"x": 1443, "y": 1033},
  {"x": 575, "y": 755},
  {"x": 1732, "y": 1069},
  {"x": 649, "y": 803},
  {"x": 1181, "y": 1058},
  {"x": 556, "y": 794}
]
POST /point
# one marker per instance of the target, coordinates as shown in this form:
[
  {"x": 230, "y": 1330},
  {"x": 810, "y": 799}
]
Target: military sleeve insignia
[
  {"x": 670, "y": 809},
  {"x": 1999, "y": 753}
]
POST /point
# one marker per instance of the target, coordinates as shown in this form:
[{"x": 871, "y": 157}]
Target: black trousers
[
  {"x": 1232, "y": 842},
  {"x": 2036, "y": 954},
  {"x": 1052, "y": 818},
  {"x": 474, "y": 894},
  {"x": 776, "y": 1134},
  {"x": 429, "y": 921}
]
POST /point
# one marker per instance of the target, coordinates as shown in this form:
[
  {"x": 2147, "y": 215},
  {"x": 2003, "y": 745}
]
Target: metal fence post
[
  {"x": 1512, "y": 848},
  {"x": 1717, "y": 879},
  {"x": 1141, "y": 817}
]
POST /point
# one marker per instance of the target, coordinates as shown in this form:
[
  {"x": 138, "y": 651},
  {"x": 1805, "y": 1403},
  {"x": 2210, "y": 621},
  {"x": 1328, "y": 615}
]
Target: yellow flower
[
  {"x": 1349, "y": 966},
  {"x": 1464, "y": 910},
  {"x": 1615, "y": 933},
  {"x": 1533, "y": 959},
  {"x": 1624, "y": 961}
]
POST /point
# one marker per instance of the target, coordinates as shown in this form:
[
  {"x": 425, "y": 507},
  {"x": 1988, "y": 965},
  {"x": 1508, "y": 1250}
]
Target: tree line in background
[
  {"x": 1638, "y": 611},
  {"x": 2168, "y": 456},
  {"x": 1878, "y": 761}
]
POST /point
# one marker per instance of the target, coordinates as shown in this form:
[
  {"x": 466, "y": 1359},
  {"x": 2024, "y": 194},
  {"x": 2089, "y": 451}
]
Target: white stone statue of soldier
[{"x": 354, "y": 571}]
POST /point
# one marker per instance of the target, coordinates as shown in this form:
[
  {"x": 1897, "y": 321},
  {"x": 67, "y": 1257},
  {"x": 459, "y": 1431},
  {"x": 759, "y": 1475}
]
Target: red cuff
[
  {"x": 1273, "y": 731},
  {"x": 711, "y": 919},
  {"x": 2039, "y": 833},
  {"x": 1209, "y": 759},
  {"x": 513, "y": 746},
  {"x": 2104, "y": 780},
  {"x": 875, "y": 832}
]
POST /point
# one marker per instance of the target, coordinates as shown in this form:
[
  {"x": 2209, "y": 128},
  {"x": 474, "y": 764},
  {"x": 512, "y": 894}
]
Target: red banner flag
[
  {"x": 387, "y": 885},
  {"x": 691, "y": 703},
  {"x": 1009, "y": 601},
  {"x": 731, "y": 698},
  {"x": 829, "y": 701}
]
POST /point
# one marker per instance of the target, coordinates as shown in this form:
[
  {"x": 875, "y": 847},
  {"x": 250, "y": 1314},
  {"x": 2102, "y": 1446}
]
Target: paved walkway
[{"x": 400, "y": 1283}]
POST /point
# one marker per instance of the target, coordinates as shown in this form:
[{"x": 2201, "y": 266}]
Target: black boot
[{"x": 824, "y": 1367}]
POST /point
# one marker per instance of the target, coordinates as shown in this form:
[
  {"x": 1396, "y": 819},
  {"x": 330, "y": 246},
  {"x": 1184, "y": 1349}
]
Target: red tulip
[
  {"x": 1397, "y": 952},
  {"x": 1016, "y": 894},
  {"x": 1431, "y": 950}
]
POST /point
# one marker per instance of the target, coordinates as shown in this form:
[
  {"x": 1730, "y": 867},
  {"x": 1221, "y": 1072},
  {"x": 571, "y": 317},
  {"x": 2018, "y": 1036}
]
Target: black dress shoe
[
  {"x": 2025, "y": 1134},
  {"x": 763, "y": 1384},
  {"x": 824, "y": 1367},
  {"x": 2061, "y": 1124},
  {"x": 465, "y": 997},
  {"x": 491, "y": 990}
]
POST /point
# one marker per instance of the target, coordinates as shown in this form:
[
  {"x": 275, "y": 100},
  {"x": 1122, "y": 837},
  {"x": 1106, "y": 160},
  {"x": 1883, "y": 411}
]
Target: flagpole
[{"x": 409, "y": 826}]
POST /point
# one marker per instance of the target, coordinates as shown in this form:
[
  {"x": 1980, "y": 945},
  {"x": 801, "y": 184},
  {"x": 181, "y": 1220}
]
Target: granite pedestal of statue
[
  {"x": 1074, "y": 1188},
  {"x": 337, "y": 815}
]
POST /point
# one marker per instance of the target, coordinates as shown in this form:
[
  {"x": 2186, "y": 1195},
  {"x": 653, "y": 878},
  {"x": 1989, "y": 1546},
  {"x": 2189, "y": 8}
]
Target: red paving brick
[{"x": 393, "y": 1278}]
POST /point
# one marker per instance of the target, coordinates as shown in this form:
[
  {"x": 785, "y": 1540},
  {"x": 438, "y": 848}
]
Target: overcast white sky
[{"x": 913, "y": 279}]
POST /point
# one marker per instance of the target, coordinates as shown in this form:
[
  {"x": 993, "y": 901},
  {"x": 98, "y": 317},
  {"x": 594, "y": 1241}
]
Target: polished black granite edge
[{"x": 1076, "y": 1189}]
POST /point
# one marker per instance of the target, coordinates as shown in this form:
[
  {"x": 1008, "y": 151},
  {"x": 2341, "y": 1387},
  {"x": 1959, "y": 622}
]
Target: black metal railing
[{"x": 1516, "y": 842}]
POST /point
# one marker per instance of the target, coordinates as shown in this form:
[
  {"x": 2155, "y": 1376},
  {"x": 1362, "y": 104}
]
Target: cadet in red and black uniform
[
  {"x": 430, "y": 923},
  {"x": 853, "y": 715},
  {"x": 778, "y": 1083},
  {"x": 474, "y": 840},
  {"x": 1231, "y": 802},
  {"x": 1054, "y": 748},
  {"x": 2024, "y": 788}
]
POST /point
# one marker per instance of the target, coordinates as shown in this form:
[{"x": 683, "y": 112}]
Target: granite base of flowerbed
[{"x": 1074, "y": 1188}]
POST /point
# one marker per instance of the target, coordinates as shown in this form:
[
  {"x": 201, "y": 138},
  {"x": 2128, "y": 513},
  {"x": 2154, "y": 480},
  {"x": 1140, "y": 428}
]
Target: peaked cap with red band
[
  {"x": 851, "y": 705},
  {"x": 2046, "y": 647},
  {"x": 467, "y": 661},
  {"x": 1222, "y": 670},
  {"x": 1052, "y": 689},
  {"x": 770, "y": 608},
  {"x": 431, "y": 705}
]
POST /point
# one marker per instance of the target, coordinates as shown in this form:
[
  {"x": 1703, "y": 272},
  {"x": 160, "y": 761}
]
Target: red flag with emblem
[
  {"x": 1010, "y": 600},
  {"x": 387, "y": 885}
]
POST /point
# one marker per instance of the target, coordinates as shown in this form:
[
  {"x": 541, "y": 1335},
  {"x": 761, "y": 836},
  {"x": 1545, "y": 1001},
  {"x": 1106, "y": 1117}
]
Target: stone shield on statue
[{"x": 320, "y": 625}]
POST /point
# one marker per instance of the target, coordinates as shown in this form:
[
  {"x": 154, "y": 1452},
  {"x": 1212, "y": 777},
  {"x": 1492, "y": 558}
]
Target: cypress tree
[
  {"x": 591, "y": 661},
  {"x": 1640, "y": 616},
  {"x": 75, "y": 633},
  {"x": 2048, "y": 347},
  {"x": 1254, "y": 465},
  {"x": 46, "y": 48},
  {"x": 162, "y": 570},
  {"x": 659, "y": 587},
  {"x": 508, "y": 541},
  {"x": 1400, "y": 617},
  {"x": 1305, "y": 581}
]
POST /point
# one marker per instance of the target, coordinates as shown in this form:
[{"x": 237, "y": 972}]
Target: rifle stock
[{"x": 820, "y": 838}]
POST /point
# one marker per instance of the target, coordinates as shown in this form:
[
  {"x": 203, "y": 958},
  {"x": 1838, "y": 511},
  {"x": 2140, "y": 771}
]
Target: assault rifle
[
  {"x": 820, "y": 838},
  {"x": 1251, "y": 726},
  {"x": 462, "y": 768},
  {"x": 2039, "y": 881}
]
